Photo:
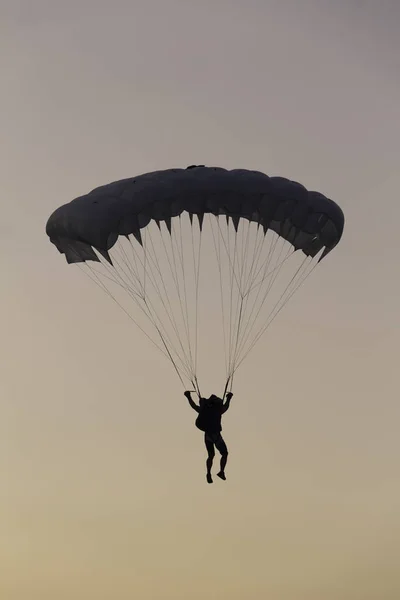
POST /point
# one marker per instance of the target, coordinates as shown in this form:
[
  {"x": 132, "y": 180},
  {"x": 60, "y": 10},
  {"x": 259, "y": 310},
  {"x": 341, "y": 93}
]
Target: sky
[{"x": 103, "y": 493}]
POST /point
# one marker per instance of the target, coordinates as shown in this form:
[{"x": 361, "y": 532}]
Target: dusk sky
[{"x": 103, "y": 489}]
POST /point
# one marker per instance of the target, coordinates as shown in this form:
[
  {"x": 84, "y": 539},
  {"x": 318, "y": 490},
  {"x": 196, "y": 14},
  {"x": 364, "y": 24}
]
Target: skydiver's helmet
[{"x": 215, "y": 399}]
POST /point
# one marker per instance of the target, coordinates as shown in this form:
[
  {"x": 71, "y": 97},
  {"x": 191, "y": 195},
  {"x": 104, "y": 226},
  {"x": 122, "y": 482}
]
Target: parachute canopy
[{"x": 248, "y": 212}]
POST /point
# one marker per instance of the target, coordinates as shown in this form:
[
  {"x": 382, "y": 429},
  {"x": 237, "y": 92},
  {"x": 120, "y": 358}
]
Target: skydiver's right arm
[
  {"x": 227, "y": 403},
  {"x": 191, "y": 402}
]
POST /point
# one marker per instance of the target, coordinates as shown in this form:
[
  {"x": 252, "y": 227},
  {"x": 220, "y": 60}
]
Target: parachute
[{"x": 180, "y": 248}]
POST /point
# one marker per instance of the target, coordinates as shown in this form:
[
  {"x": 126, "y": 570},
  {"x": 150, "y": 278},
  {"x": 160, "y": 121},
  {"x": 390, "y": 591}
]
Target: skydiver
[{"x": 209, "y": 420}]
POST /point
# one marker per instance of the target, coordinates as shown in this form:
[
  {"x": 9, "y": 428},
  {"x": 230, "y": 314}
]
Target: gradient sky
[{"x": 103, "y": 491}]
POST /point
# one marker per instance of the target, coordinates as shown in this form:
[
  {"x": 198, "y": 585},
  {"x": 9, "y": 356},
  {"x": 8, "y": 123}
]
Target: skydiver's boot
[{"x": 221, "y": 474}]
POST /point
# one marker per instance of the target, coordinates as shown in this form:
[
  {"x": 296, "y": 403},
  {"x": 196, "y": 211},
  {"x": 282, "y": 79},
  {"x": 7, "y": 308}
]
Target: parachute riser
[{"x": 228, "y": 386}]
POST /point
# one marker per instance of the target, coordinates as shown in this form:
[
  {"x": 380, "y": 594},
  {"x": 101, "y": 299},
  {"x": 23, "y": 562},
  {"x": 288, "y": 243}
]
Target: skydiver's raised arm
[
  {"x": 191, "y": 402},
  {"x": 227, "y": 402}
]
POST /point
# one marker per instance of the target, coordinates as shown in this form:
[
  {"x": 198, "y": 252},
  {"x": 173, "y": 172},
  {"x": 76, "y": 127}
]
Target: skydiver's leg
[
  {"x": 211, "y": 453},
  {"x": 223, "y": 450}
]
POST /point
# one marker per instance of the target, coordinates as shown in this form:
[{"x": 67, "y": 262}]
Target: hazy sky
[{"x": 103, "y": 490}]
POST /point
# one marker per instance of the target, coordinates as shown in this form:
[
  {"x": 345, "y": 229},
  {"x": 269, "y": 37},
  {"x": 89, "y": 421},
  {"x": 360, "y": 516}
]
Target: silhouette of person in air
[{"x": 209, "y": 420}]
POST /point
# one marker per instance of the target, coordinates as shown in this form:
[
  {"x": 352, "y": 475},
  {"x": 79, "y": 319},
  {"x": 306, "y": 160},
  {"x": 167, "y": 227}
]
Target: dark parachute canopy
[{"x": 250, "y": 223}]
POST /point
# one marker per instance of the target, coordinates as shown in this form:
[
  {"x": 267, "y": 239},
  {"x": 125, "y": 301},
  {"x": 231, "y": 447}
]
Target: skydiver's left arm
[{"x": 227, "y": 402}]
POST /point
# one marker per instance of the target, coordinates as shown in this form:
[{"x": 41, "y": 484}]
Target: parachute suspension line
[
  {"x": 170, "y": 356},
  {"x": 196, "y": 306},
  {"x": 149, "y": 312},
  {"x": 227, "y": 387},
  {"x": 126, "y": 277},
  {"x": 181, "y": 291},
  {"x": 164, "y": 336},
  {"x": 268, "y": 261},
  {"x": 148, "y": 307},
  {"x": 252, "y": 319},
  {"x": 97, "y": 281},
  {"x": 245, "y": 252},
  {"x": 258, "y": 246},
  {"x": 186, "y": 354},
  {"x": 252, "y": 272},
  {"x": 239, "y": 323},
  {"x": 231, "y": 250},
  {"x": 289, "y": 295},
  {"x": 273, "y": 313},
  {"x": 195, "y": 384},
  {"x": 245, "y": 276},
  {"x": 217, "y": 247},
  {"x": 241, "y": 298},
  {"x": 174, "y": 256},
  {"x": 236, "y": 275},
  {"x": 172, "y": 263},
  {"x": 242, "y": 321},
  {"x": 232, "y": 276},
  {"x": 113, "y": 279},
  {"x": 144, "y": 246},
  {"x": 276, "y": 267},
  {"x": 234, "y": 319},
  {"x": 242, "y": 261},
  {"x": 253, "y": 268},
  {"x": 301, "y": 275},
  {"x": 187, "y": 316},
  {"x": 169, "y": 310},
  {"x": 153, "y": 262}
]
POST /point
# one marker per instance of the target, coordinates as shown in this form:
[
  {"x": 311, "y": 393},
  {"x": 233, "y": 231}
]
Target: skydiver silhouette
[{"x": 210, "y": 411}]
